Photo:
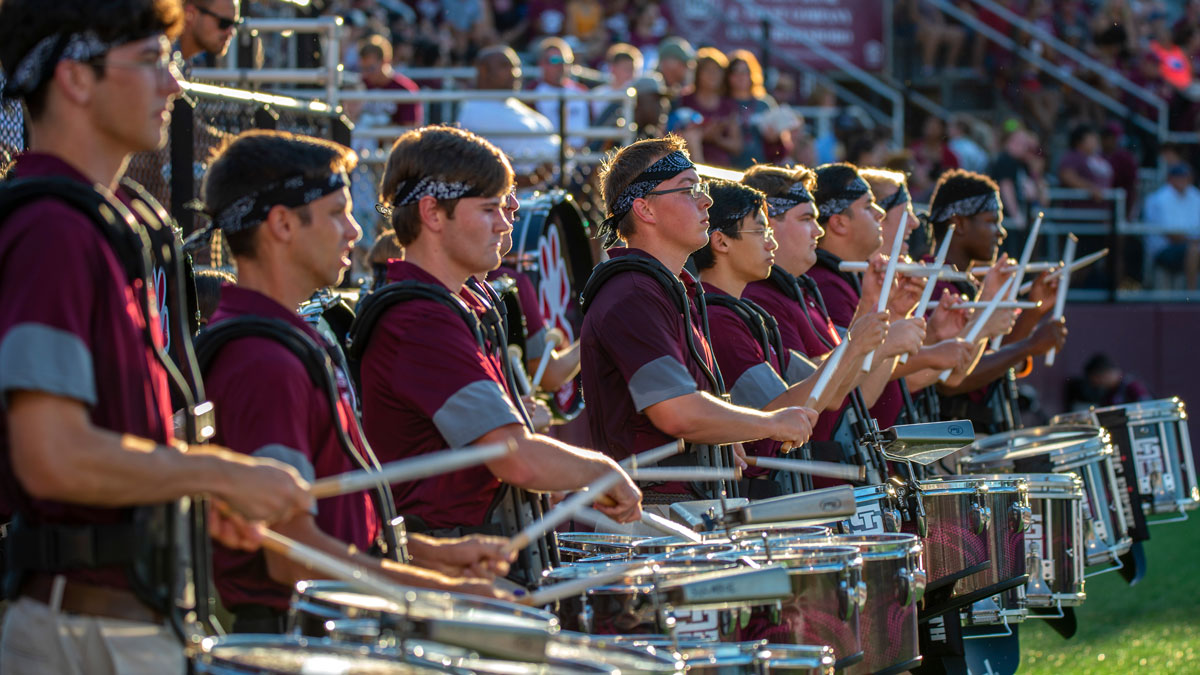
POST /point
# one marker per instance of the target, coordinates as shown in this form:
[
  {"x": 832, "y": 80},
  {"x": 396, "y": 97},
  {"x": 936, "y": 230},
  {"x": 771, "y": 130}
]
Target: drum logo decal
[
  {"x": 697, "y": 625},
  {"x": 868, "y": 519},
  {"x": 554, "y": 298}
]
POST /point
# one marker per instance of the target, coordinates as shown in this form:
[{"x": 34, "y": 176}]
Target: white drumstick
[
  {"x": 552, "y": 338},
  {"x": 1031, "y": 267},
  {"x": 1015, "y": 304},
  {"x": 653, "y": 455},
  {"x": 682, "y": 473},
  {"x": 831, "y": 365},
  {"x": 889, "y": 275},
  {"x": 931, "y": 282},
  {"x": 812, "y": 468},
  {"x": 357, "y": 576},
  {"x": 568, "y": 589},
  {"x": 1060, "y": 302},
  {"x": 911, "y": 270},
  {"x": 563, "y": 511},
  {"x": 1075, "y": 267},
  {"x": 1030, "y": 244},
  {"x": 517, "y": 359},
  {"x": 411, "y": 469},
  {"x": 982, "y": 320}
]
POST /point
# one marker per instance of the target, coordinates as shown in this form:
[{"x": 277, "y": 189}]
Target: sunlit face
[
  {"x": 472, "y": 239},
  {"x": 751, "y": 256},
  {"x": 891, "y": 222},
  {"x": 131, "y": 103},
  {"x": 797, "y": 233},
  {"x": 214, "y": 25},
  {"x": 682, "y": 219},
  {"x": 982, "y": 235},
  {"x": 323, "y": 245},
  {"x": 863, "y": 218}
]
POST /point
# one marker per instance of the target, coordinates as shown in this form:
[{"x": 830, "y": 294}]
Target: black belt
[
  {"x": 57, "y": 548},
  {"x": 258, "y": 619}
]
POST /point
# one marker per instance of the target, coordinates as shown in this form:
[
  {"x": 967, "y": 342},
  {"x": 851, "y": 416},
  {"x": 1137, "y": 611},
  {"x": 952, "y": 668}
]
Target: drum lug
[
  {"x": 861, "y": 596},
  {"x": 981, "y": 517},
  {"x": 912, "y": 586},
  {"x": 1021, "y": 517},
  {"x": 586, "y": 617},
  {"x": 844, "y": 599}
]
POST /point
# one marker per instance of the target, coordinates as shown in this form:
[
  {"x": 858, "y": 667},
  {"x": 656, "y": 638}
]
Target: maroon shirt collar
[
  {"x": 240, "y": 301},
  {"x": 402, "y": 270},
  {"x": 689, "y": 282},
  {"x": 709, "y": 289},
  {"x": 37, "y": 164}
]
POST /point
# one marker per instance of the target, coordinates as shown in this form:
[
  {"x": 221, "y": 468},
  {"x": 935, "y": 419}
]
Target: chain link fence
[{"x": 12, "y": 130}]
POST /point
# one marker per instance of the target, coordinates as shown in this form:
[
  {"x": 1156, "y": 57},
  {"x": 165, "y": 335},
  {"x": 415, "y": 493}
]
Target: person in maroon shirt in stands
[
  {"x": 375, "y": 65},
  {"x": 86, "y": 436},
  {"x": 645, "y": 369},
  {"x": 292, "y": 239},
  {"x": 427, "y": 383},
  {"x": 741, "y": 250}
]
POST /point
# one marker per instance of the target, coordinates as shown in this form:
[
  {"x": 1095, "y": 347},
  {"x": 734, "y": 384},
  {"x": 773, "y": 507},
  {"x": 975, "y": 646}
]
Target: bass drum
[{"x": 553, "y": 245}]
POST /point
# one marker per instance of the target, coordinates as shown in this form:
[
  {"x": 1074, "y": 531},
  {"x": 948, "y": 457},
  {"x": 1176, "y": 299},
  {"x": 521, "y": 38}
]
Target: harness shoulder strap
[
  {"x": 606, "y": 270},
  {"x": 373, "y": 307}
]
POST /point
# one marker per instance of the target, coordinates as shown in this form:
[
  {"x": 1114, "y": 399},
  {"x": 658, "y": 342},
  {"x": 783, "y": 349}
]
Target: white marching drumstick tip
[
  {"x": 1030, "y": 244},
  {"x": 563, "y": 512},
  {"x": 414, "y": 468},
  {"x": 682, "y": 473},
  {"x": 653, "y": 455},
  {"x": 517, "y": 359},
  {"x": 822, "y": 383},
  {"x": 889, "y": 275},
  {"x": 982, "y": 320},
  {"x": 1074, "y": 267},
  {"x": 552, "y": 338},
  {"x": 1013, "y": 304},
  {"x": 931, "y": 282},
  {"x": 1060, "y": 301},
  {"x": 812, "y": 468}
]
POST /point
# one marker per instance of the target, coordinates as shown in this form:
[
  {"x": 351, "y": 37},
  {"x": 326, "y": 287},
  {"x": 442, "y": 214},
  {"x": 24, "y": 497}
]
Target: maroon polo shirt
[
  {"x": 634, "y": 353},
  {"x": 426, "y": 386},
  {"x": 70, "y": 325},
  {"x": 531, "y": 308},
  {"x": 841, "y": 299},
  {"x": 268, "y": 406},
  {"x": 751, "y": 376}
]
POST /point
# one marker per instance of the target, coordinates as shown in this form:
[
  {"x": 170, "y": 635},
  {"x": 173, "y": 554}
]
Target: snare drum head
[
  {"x": 1061, "y": 444},
  {"x": 651, "y": 572},
  {"x": 1163, "y": 408},
  {"x": 289, "y": 655}
]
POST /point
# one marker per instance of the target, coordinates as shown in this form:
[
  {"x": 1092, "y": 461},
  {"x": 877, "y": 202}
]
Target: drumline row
[{"x": 1030, "y": 515}]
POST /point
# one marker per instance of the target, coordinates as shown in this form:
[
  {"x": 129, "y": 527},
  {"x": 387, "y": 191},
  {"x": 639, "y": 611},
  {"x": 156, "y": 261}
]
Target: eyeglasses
[
  {"x": 695, "y": 190},
  {"x": 167, "y": 64},
  {"x": 223, "y": 22},
  {"x": 766, "y": 232}
]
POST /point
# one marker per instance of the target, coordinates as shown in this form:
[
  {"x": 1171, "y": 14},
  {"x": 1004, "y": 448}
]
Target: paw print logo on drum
[{"x": 554, "y": 297}]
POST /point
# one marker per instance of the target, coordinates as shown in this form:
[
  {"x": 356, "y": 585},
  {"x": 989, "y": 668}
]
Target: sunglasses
[{"x": 223, "y": 22}]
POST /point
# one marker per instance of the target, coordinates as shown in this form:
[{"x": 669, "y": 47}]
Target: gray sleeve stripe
[
  {"x": 473, "y": 411},
  {"x": 662, "y": 379},
  {"x": 757, "y": 387},
  {"x": 534, "y": 344},
  {"x": 799, "y": 367},
  {"x": 37, "y": 357},
  {"x": 291, "y": 457}
]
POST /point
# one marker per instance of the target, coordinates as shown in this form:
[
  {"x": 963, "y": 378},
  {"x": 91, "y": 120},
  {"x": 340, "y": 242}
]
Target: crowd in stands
[{"x": 734, "y": 113}]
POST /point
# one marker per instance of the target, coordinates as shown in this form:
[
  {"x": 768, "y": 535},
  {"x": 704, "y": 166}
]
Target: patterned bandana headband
[
  {"x": 38, "y": 64},
  {"x": 897, "y": 198},
  {"x": 966, "y": 207},
  {"x": 664, "y": 169},
  {"x": 249, "y": 210},
  {"x": 414, "y": 190},
  {"x": 795, "y": 196},
  {"x": 843, "y": 199}
]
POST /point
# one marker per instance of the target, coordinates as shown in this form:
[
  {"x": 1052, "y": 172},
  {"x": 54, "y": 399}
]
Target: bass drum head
[{"x": 552, "y": 243}]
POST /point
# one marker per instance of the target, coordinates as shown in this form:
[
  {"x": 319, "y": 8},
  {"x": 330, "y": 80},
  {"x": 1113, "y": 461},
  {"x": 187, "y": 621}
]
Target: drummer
[
  {"x": 89, "y": 463},
  {"x": 282, "y": 203},
  {"x": 427, "y": 384},
  {"x": 646, "y": 371},
  {"x": 741, "y": 250},
  {"x": 971, "y": 202}
]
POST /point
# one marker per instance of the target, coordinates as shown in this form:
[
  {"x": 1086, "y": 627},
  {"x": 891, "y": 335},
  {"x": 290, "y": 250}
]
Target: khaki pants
[{"x": 37, "y": 639}]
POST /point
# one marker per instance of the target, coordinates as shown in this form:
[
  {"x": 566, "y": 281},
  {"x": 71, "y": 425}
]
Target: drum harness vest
[
  {"x": 512, "y": 509},
  {"x": 164, "y": 548},
  {"x": 719, "y": 456}
]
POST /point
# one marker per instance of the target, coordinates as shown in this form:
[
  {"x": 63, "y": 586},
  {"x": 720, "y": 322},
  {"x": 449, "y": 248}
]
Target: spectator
[
  {"x": 555, "y": 57},
  {"x": 868, "y": 147},
  {"x": 676, "y": 62},
  {"x": 375, "y": 66},
  {"x": 585, "y": 23},
  {"x": 1123, "y": 162},
  {"x": 1020, "y": 186},
  {"x": 970, "y": 154},
  {"x": 470, "y": 25},
  {"x": 208, "y": 27},
  {"x": 649, "y": 28},
  {"x": 1103, "y": 384},
  {"x": 511, "y": 18},
  {"x": 1083, "y": 167},
  {"x": 624, "y": 63},
  {"x": 498, "y": 68},
  {"x": 934, "y": 31},
  {"x": 722, "y": 136},
  {"x": 763, "y": 141},
  {"x": 1176, "y": 205},
  {"x": 931, "y": 156},
  {"x": 650, "y": 113}
]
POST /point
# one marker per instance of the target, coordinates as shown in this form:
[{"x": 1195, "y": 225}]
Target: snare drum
[
  {"x": 491, "y": 627},
  {"x": 957, "y": 533},
  {"x": 292, "y": 655},
  {"x": 1153, "y": 437},
  {"x": 1054, "y": 541},
  {"x": 828, "y": 594},
  {"x": 744, "y": 657},
  {"x": 575, "y": 546},
  {"x": 1083, "y": 450}
]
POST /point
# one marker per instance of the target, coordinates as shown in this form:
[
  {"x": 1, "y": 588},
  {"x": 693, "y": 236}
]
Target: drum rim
[
  {"x": 1004, "y": 484},
  {"x": 1040, "y": 482},
  {"x": 1173, "y": 404},
  {"x": 1088, "y": 448},
  {"x": 315, "y": 590}
]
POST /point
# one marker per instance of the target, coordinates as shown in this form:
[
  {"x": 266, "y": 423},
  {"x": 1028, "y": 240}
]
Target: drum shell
[
  {"x": 1054, "y": 542},
  {"x": 1155, "y": 443},
  {"x": 248, "y": 654},
  {"x": 956, "y": 538},
  {"x": 576, "y": 546},
  {"x": 828, "y": 594}
]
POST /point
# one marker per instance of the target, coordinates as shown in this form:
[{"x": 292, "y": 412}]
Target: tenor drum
[
  {"x": 1083, "y": 450},
  {"x": 1153, "y": 440},
  {"x": 828, "y": 594},
  {"x": 1054, "y": 548},
  {"x": 957, "y": 530}
]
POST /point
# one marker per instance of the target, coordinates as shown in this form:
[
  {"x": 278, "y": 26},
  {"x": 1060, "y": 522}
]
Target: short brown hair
[
  {"x": 377, "y": 46},
  {"x": 624, "y": 52},
  {"x": 447, "y": 154},
  {"x": 775, "y": 181},
  {"x": 757, "y": 90},
  {"x": 385, "y": 248},
  {"x": 255, "y": 159},
  {"x": 624, "y": 165}
]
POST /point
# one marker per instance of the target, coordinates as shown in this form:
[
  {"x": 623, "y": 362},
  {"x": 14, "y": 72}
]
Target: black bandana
[
  {"x": 38, "y": 64},
  {"x": 966, "y": 207},
  {"x": 413, "y": 190},
  {"x": 897, "y": 198},
  {"x": 795, "y": 196},
  {"x": 841, "y": 201},
  {"x": 664, "y": 169},
  {"x": 251, "y": 209}
]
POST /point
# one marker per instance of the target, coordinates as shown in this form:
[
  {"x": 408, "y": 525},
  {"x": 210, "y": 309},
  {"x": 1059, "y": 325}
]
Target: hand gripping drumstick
[
  {"x": 931, "y": 282},
  {"x": 982, "y": 320},
  {"x": 1060, "y": 303},
  {"x": 1074, "y": 267},
  {"x": 812, "y": 468},
  {"x": 914, "y": 270},
  {"x": 411, "y": 469},
  {"x": 552, "y": 338},
  {"x": 563, "y": 511},
  {"x": 1030, "y": 243},
  {"x": 888, "y": 276}
]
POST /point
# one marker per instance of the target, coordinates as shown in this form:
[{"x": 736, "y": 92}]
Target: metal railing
[{"x": 328, "y": 76}]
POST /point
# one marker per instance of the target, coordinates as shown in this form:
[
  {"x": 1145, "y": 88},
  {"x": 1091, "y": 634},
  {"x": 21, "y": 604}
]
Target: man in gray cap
[{"x": 676, "y": 60}]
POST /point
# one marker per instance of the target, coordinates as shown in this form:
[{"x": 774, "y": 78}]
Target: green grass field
[{"x": 1153, "y": 627}]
